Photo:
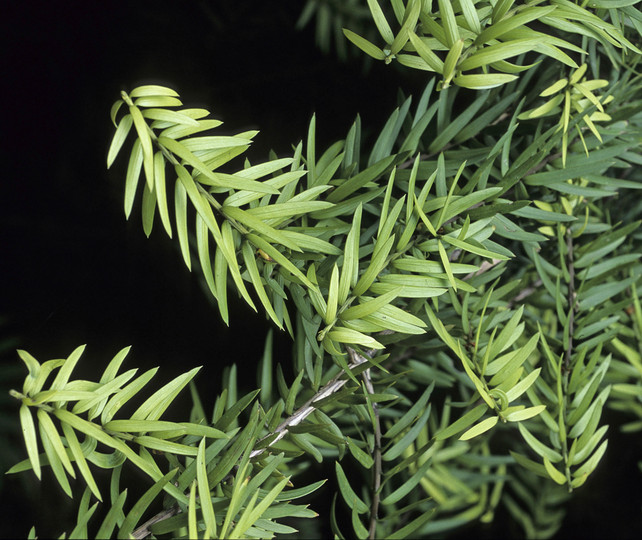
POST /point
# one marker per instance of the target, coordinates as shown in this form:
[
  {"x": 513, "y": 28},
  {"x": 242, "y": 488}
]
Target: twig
[
  {"x": 409, "y": 162},
  {"x": 143, "y": 531},
  {"x": 500, "y": 118},
  {"x": 543, "y": 163},
  {"x": 455, "y": 255},
  {"x": 524, "y": 293},
  {"x": 484, "y": 267},
  {"x": 308, "y": 407},
  {"x": 281, "y": 430}
]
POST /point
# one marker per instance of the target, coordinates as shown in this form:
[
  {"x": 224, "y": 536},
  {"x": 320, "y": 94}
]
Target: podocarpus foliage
[{"x": 461, "y": 291}]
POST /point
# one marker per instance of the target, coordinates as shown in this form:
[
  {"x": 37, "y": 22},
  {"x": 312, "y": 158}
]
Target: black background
[{"x": 74, "y": 271}]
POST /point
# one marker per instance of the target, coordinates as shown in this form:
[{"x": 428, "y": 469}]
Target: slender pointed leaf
[{"x": 31, "y": 440}]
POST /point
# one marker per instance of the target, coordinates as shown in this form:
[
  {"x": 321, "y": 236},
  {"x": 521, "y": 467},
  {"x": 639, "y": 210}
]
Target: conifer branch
[{"x": 332, "y": 387}]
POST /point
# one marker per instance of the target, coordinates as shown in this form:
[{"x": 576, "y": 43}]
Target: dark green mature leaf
[
  {"x": 389, "y": 134},
  {"x": 348, "y": 494},
  {"x": 360, "y": 180},
  {"x": 407, "y": 486},
  {"x": 137, "y": 511},
  {"x": 456, "y": 126},
  {"x": 396, "y": 449},
  {"x": 409, "y": 529},
  {"x": 244, "y": 440},
  {"x": 361, "y": 456},
  {"x": 250, "y": 518},
  {"x": 111, "y": 518}
]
